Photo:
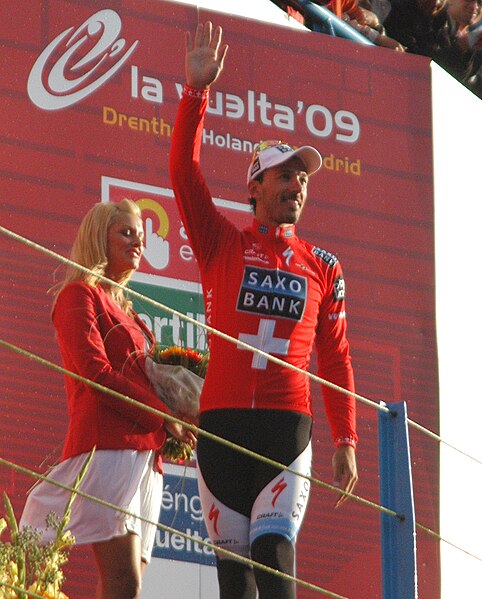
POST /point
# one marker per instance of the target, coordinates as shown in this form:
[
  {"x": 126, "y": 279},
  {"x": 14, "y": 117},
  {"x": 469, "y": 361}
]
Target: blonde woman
[{"x": 101, "y": 338}]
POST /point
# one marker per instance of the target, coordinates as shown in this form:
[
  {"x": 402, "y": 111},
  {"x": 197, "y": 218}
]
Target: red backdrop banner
[{"x": 89, "y": 98}]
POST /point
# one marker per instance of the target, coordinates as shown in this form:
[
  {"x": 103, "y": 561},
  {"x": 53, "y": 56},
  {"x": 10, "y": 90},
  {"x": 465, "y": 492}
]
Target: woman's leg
[{"x": 119, "y": 565}]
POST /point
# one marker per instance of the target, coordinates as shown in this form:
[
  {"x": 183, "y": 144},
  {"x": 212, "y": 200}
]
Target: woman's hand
[{"x": 182, "y": 433}]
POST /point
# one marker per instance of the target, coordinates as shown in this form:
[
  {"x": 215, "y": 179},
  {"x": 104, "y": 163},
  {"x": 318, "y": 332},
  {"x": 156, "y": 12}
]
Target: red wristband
[
  {"x": 196, "y": 93},
  {"x": 339, "y": 441}
]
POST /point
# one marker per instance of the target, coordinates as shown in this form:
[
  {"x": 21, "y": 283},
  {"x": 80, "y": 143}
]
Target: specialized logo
[
  {"x": 272, "y": 292},
  {"x": 213, "y": 516},
  {"x": 288, "y": 254},
  {"x": 279, "y": 487},
  {"x": 330, "y": 259},
  {"x": 89, "y": 56}
]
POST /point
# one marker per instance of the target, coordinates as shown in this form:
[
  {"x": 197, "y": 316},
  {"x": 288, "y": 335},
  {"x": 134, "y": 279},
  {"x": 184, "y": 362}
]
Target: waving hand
[{"x": 204, "y": 56}]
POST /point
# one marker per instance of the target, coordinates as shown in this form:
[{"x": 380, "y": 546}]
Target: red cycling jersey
[{"x": 266, "y": 287}]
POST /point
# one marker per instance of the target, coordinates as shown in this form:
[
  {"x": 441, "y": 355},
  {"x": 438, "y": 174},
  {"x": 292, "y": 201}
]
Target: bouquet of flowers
[
  {"x": 29, "y": 565},
  {"x": 177, "y": 376}
]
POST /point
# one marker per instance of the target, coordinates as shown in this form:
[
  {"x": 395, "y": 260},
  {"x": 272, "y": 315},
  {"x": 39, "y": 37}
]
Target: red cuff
[{"x": 195, "y": 93}]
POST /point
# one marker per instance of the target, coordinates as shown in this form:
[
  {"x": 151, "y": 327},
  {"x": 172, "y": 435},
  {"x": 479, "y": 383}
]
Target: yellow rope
[
  {"x": 196, "y": 429},
  {"x": 315, "y": 378},
  {"x": 182, "y": 316},
  {"x": 171, "y": 530},
  {"x": 378, "y": 406}
]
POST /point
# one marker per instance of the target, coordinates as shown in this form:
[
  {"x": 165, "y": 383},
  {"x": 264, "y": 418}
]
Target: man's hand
[
  {"x": 204, "y": 56},
  {"x": 344, "y": 471}
]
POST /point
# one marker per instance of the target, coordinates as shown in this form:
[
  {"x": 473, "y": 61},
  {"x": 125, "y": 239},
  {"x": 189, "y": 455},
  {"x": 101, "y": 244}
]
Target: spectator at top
[
  {"x": 351, "y": 8},
  {"x": 467, "y": 14},
  {"x": 464, "y": 12},
  {"x": 364, "y": 21},
  {"x": 380, "y": 7},
  {"x": 425, "y": 27}
]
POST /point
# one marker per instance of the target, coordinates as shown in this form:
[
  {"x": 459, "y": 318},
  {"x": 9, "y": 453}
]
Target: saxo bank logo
[{"x": 77, "y": 62}]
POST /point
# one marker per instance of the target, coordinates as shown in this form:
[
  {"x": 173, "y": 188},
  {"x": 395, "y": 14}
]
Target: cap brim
[
  {"x": 310, "y": 157},
  {"x": 274, "y": 156}
]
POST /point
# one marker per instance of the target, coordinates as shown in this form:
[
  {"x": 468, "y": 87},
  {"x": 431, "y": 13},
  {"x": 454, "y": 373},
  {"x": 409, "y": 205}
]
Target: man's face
[
  {"x": 463, "y": 11},
  {"x": 281, "y": 195}
]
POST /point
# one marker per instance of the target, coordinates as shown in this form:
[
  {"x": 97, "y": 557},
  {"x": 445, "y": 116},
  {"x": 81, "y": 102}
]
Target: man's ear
[{"x": 253, "y": 188}]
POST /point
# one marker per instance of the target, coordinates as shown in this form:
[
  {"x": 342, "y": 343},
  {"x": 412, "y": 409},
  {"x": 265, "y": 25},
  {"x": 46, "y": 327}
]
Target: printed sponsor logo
[
  {"x": 339, "y": 289},
  {"x": 337, "y": 315},
  {"x": 221, "y": 542},
  {"x": 256, "y": 166},
  {"x": 272, "y": 292},
  {"x": 288, "y": 254},
  {"x": 89, "y": 56},
  {"x": 283, "y": 148},
  {"x": 271, "y": 515},
  {"x": 302, "y": 500},
  {"x": 330, "y": 259},
  {"x": 254, "y": 255},
  {"x": 278, "y": 488},
  {"x": 213, "y": 516}
]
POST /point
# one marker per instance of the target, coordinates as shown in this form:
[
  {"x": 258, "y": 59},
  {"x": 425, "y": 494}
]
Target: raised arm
[
  {"x": 204, "y": 56},
  {"x": 203, "y": 223}
]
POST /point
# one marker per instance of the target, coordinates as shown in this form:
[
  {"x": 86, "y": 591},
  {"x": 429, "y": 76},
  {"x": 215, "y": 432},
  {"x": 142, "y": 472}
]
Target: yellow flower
[
  {"x": 12, "y": 566},
  {"x": 66, "y": 540},
  {"x": 50, "y": 592}
]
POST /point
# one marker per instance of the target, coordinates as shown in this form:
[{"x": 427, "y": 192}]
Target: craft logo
[
  {"x": 89, "y": 56},
  {"x": 272, "y": 292}
]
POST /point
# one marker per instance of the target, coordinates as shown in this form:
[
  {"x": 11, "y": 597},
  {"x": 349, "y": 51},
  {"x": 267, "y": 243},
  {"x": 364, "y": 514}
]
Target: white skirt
[{"x": 126, "y": 478}]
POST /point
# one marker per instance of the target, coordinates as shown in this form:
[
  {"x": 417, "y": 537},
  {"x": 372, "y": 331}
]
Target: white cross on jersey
[{"x": 265, "y": 341}]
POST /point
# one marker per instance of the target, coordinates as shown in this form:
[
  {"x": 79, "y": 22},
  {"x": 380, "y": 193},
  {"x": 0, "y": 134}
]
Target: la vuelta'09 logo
[{"x": 78, "y": 61}]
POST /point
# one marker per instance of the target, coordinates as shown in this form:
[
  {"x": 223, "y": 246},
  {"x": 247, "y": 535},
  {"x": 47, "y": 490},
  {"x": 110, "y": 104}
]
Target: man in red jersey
[{"x": 266, "y": 287}]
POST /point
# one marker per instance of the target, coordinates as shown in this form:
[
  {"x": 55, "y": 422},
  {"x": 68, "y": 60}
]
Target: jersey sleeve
[
  {"x": 204, "y": 225},
  {"x": 334, "y": 360},
  {"x": 76, "y": 321}
]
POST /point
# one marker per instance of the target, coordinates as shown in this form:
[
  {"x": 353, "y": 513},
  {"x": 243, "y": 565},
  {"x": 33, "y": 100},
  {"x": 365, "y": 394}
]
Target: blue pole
[
  {"x": 399, "y": 564},
  {"x": 325, "y": 21}
]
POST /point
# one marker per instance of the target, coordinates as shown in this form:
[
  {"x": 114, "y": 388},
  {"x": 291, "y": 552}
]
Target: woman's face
[{"x": 124, "y": 245}]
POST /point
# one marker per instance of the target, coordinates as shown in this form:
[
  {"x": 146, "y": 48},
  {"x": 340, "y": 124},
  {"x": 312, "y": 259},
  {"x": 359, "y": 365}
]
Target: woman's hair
[{"x": 90, "y": 247}]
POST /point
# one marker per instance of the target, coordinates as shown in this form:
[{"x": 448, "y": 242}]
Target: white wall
[
  {"x": 263, "y": 10},
  {"x": 457, "y": 118}
]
